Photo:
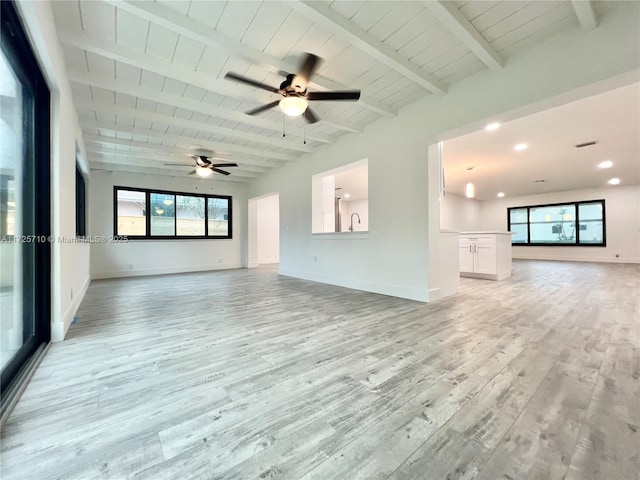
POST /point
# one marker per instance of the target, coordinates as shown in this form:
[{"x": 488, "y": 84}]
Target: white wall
[
  {"x": 622, "y": 210},
  {"x": 393, "y": 257},
  {"x": 149, "y": 257},
  {"x": 459, "y": 213},
  {"x": 269, "y": 229},
  {"x": 70, "y": 261}
]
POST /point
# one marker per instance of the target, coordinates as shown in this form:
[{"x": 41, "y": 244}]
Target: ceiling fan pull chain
[
  {"x": 283, "y": 132},
  {"x": 304, "y": 131}
]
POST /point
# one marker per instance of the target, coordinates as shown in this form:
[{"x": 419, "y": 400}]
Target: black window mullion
[
  {"x": 206, "y": 215},
  {"x": 528, "y": 226},
  {"x": 576, "y": 219},
  {"x": 147, "y": 211},
  {"x": 175, "y": 216},
  {"x": 578, "y": 223}
]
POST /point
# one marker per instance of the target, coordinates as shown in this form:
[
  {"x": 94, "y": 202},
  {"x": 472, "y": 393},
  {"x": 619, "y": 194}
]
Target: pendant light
[{"x": 470, "y": 189}]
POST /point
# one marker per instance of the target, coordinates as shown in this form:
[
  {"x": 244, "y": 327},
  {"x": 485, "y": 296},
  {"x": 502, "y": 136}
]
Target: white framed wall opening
[{"x": 340, "y": 199}]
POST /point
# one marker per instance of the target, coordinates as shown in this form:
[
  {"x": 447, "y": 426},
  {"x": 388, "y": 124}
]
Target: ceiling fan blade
[
  {"x": 335, "y": 95},
  {"x": 224, "y": 165},
  {"x": 180, "y": 164},
  {"x": 220, "y": 171},
  {"x": 263, "y": 108},
  {"x": 308, "y": 67},
  {"x": 310, "y": 116},
  {"x": 248, "y": 81}
]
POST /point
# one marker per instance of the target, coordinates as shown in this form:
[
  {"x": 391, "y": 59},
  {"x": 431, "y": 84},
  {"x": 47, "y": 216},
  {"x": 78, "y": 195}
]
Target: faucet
[{"x": 351, "y": 226}]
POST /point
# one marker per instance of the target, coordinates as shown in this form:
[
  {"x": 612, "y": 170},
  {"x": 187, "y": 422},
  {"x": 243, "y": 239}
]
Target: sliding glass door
[{"x": 25, "y": 299}]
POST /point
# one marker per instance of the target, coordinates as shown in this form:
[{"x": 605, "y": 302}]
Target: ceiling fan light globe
[
  {"x": 203, "y": 172},
  {"x": 293, "y": 106}
]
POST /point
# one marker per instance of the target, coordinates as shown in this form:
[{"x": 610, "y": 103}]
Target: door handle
[
  {"x": 475, "y": 248},
  {"x": 470, "y": 249}
]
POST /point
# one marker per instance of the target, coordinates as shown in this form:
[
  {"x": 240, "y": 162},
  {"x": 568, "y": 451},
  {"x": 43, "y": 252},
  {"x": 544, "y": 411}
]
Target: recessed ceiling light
[
  {"x": 521, "y": 146},
  {"x": 614, "y": 181},
  {"x": 492, "y": 126},
  {"x": 500, "y": 194},
  {"x": 346, "y": 195},
  {"x": 605, "y": 164}
]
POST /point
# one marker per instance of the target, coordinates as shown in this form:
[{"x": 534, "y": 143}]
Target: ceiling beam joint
[{"x": 448, "y": 14}]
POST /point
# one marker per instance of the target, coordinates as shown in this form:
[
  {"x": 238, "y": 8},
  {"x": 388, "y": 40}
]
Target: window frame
[
  {"x": 147, "y": 192},
  {"x": 576, "y": 243},
  {"x": 37, "y": 158}
]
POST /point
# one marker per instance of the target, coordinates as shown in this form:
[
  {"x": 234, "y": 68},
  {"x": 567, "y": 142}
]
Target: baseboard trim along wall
[
  {"x": 59, "y": 329},
  {"x": 373, "y": 287},
  {"x": 560, "y": 258},
  {"x": 163, "y": 270}
]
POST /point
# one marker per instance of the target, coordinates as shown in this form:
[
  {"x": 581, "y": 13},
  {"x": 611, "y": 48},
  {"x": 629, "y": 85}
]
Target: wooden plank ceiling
[{"x": 148, "y": 77}]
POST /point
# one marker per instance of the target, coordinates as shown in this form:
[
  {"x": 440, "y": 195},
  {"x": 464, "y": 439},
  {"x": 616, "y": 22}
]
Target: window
[
  {"x": 81, "y": 216},
  {"x": 131, "y": 207},
  {"x": 153, "y": 214},
  {"x": 218, "y": 216},
  {"x": 163, "y": 214},
  {"x": 25, "y": 223},
  {"x": 576, "y": 223},
  {"x": 190, "y": 217}
]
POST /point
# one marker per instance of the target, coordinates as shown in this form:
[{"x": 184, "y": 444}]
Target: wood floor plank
[{"x": 271, "y": 377}]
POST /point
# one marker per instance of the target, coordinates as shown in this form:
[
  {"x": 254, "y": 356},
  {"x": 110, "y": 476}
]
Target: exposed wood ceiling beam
[
  {"x": 330, "y": 19},
  {"x": 448, "y": 14},
  {"x": 114, "y": 143},
  {"x": 156, "y": 65},
  {"x": 586, "y": 14},
  {"x": 116, "y": 167},
  {"x": 105, "y": 158},
  {"x": 161, "y": 15},
  {"x": 183, "y": 139},
  {"x": 150, "y": 159},
  {"x": 207, "y": 82},
  {"x": 136, "y": 113},
  {"x": 189, "y": 104}
]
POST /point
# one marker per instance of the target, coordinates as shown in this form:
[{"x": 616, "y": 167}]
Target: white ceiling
[
  {"x": 611, "y": 119},
  {"x": 354, "y": 182},
  {"x": 148, "y": 77}
]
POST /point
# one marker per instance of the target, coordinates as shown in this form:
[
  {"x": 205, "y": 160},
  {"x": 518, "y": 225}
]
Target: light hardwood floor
[{"x": 244, "y": 374}]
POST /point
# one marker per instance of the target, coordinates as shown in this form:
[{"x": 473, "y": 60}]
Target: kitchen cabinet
[{"x": 485, "y": 255}]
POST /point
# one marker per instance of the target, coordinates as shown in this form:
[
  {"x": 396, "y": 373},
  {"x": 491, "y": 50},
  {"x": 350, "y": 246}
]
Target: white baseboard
[
  {"x": 392, "y": 290},
  {"x": 59, "y": 329},
  {"x": 264, "y": 261},
  {"x": 582, "y": 258},
  {"x": 164, "y": 270}
]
